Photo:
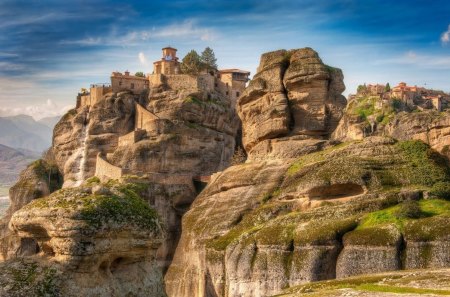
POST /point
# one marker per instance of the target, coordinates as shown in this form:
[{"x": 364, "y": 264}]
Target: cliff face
[
  {"x": 38, "y": 180},
  {"x": 293, "y": 99},
  {"x": 312, "y": 202},
  {"x": 262, "y": 226},
  {"x": 81, "y": 134},
  {"x": 431, "y": 127},
  {"x": 100, "y": 239},
  {"x": 305, "y": 208}
]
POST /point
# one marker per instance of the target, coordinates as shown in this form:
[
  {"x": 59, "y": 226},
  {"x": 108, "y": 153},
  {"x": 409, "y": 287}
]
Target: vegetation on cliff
[{"x": 113, "y": 202}]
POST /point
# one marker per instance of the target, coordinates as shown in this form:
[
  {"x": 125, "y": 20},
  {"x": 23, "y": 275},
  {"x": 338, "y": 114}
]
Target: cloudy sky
[{"x": 50, "y": 49}]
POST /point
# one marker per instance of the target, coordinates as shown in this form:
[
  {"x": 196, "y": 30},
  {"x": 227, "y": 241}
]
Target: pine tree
[
  {"x": 208, "y": 59},
  {"x": 191, "y": 63},
  {"x": 387, "y": 88}
]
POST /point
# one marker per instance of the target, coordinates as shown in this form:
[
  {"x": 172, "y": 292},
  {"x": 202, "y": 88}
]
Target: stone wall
[
  {"x": 132, "y": 137},
  {"x": 145, "y": 119},
  {"x": 181, "y": 82},
  {"x": 105, "y": 170}
]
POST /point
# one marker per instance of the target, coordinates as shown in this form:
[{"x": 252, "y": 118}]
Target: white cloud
[
  {"x": 48, "y": 108},
  {"x": 188, "y": 29},
  {"x": 143, "y": 59},
  {"x": 445, "y": 37}
]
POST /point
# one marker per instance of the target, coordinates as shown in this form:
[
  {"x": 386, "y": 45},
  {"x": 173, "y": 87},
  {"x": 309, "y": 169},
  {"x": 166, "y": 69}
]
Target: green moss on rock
[{"x": 123, "y": 205}]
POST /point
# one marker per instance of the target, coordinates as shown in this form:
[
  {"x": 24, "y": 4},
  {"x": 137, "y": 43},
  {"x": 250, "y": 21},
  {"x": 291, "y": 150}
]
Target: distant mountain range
[
  {"x": 12, "y": 162},
  {"x": 24, "y": 132}
]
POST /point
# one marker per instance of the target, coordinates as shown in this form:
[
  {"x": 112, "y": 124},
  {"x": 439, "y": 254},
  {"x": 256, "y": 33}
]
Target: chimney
[{"x": 127, "y": 73}]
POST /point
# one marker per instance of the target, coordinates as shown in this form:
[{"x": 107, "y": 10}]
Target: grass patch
[
  {"x": 123, "y": 205},
  {"x": 399, "y": 290},
  {"x": 314, "y": 158},
  {"x": 428, "y": 208}
]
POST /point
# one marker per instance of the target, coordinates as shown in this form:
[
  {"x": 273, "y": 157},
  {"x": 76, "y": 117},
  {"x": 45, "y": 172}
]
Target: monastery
[
  {"x": 229, "y": 82},
  {"x": 412, "y": 96}
]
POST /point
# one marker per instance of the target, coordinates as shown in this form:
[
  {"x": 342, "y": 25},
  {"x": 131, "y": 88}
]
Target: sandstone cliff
[
  {"x": 99, "y": 239},
  {"x": 293, "y": 96},
  {"x": 365, "y": 117},
  {"x": 39, "y": 180},
  {"x": 305, "y": 208},
  {"x": 262, "y": 226},
  {"x": 313, "y": 202}
]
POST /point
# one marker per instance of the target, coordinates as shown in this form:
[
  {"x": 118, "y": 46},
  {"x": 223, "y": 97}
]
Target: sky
[{"x": 50, "y": 49}]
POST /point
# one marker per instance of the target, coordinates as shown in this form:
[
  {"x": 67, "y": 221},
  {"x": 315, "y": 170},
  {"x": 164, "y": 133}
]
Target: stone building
[
  {"x": 228, "y": 82},
  {"x": 376, "y": 89},
  {"x": 169, "y": 62},
  {"x": 233, "y": 82},
  {"x": 96, "y": 92},
  {"x": 126, "y": 82}
]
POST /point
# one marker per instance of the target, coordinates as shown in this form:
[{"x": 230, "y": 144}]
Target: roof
[
  {"x": 169, "y": 47},
  {"x": 234, "y": 70}
]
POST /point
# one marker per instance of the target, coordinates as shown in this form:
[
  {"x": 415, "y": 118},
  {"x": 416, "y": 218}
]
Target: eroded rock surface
[
  {"x": 39, "y": 180},
  {"x": 431, "y": 127},
  {"x": 101, "y": 238},
  {"x": 262, "y": 226},
  {"x": 293, "y": 94}
]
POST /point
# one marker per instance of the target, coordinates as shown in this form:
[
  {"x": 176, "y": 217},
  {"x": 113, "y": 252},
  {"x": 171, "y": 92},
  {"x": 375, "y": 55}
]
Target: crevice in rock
[
  {"x": 401, "y": 253},
  {"x": 335, "y": 191}
]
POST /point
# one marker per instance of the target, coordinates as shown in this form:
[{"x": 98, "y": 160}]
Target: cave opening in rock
[
  {"x": 335, "y": 191},
  {"x": 116, "y": 264},
  {"x": 28, "y": 247}
]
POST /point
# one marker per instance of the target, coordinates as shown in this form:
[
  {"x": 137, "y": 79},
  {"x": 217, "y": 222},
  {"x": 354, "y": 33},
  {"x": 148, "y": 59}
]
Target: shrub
[
  {"x": 396, "y": 104},
  {"x": 409, "y": 209},
  {"x": 441, "y": 190},
  {"x": 380, "y": 118}
]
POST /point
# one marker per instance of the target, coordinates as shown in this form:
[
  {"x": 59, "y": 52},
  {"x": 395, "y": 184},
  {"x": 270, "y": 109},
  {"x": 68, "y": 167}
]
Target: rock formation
[
  {"x": 293, "y": 97},
  {"x": 39, "y": 180},
  {"x": 367, "y": 116},
  {"x": 100, "y": 239},
  {"x": 303, "y": 208},
  {"x": 312, "y": 202},
  {"x": 262, "y": 226}
]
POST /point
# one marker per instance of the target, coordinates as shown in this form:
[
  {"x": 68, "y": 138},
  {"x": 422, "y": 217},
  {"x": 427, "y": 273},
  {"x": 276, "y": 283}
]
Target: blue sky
[{"x": 50, "y": 49}]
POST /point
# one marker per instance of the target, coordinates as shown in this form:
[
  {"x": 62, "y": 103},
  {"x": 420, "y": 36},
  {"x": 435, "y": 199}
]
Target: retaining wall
[{"x": 104, "y": 170}]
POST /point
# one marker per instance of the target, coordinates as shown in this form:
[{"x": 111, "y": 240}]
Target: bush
[
  {"x": 441, "y": 190},
  {"x": 409, "y": 209},
  {"x": 396, "y": 104}
]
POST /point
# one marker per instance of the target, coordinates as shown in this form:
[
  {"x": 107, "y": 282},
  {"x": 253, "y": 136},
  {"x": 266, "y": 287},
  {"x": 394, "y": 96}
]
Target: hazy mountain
[
  {"x": 24, "y": 132},
  {"x": 50, "y": 121},
  {"x": 12, "y": 162}
]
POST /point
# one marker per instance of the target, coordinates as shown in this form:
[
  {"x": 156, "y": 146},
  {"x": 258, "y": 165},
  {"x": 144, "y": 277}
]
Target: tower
[{"x": 169, "y": 62}]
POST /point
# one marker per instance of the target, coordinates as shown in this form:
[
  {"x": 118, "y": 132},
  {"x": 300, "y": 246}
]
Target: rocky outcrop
[
  {"x": 431, "y": 127},
  {"x": 39, "y": 180},
  {"x": 81, "y": 134},
  {"x": 102, "y": 238},
  {"x": 293, "y": 94},
  {"x": 262, "y": 226}
]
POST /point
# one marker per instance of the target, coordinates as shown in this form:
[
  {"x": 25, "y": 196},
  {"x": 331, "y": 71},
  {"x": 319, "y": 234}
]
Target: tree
[
  {"x": 191, "y": 63},
  {"x": 387, "y": 88},
  {"x": 208, "y": 59},
  {"x": 140, "y": 74}
]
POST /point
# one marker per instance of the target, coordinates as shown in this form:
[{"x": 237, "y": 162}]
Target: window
[
  {"x": 120, "y": 83},
  {"x": 227, "y": 85},
  {"x": 216, "y": 85},
  {"x": 226, "y": 92},
  {"x": 237, "y": 94},
  {"x": 132, "y": 86}
]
